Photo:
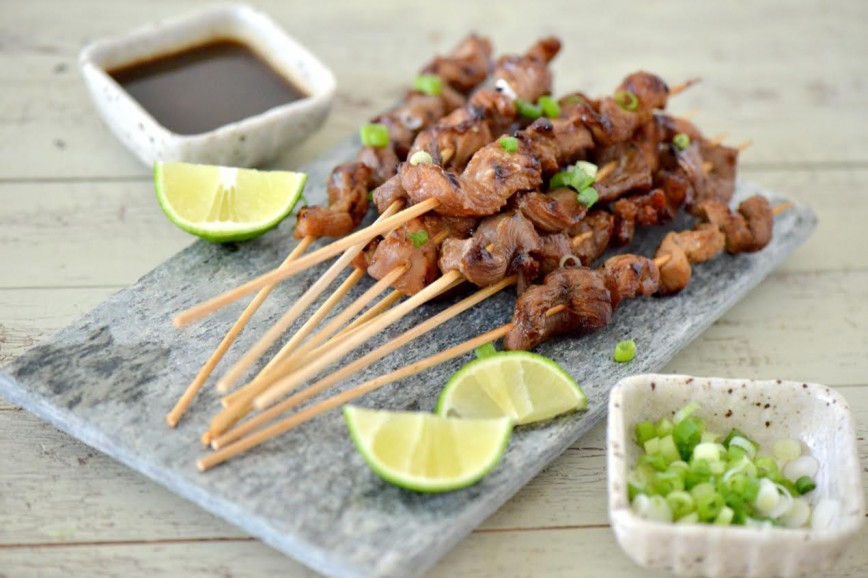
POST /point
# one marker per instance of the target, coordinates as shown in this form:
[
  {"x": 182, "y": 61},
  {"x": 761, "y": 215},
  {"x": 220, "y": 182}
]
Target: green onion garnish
[
  {"x": 421, "y": 157},
  {"x": 588, "y": 196},
  {"x": 561, "y": 179},
  {"x": 374, "y": 135},
  {"x": 705, "y": 481},
  {"x": 805, "y": 484},
  {"x": 549, "y": 106},
  {"x": 509, "y": 143},
  {"x": 627, "y": 100},
  {"x": 681, "y": 141},
  {"x": 625, "y": 350},
  {"x": 486, "y": 350},
  {"x": 527, "y": 109},
  {"x": 429, "y": 84},
  {"x": 419, "y": 238}
]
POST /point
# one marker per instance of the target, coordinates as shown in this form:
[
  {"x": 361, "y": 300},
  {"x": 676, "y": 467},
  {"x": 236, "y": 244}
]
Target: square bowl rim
[
  {"x": 92, "y": 64},
  {"x": 621, "y": 513}
]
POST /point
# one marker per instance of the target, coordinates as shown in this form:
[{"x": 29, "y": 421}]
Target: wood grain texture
[{"x": 77, "y": 222}]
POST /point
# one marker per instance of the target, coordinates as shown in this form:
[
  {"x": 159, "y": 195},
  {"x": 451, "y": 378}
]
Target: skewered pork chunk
[
  {"x": 382, "y": 161},
  {"x": 602, "y": 225},
  {"x": 629, "y": 276},
  {"x": 490, "y": 179},
  {"x": 747, "y": 231},
  {"x": 557, "y": 210},
  {"x": 684, "y": 248},
  {"x": 582, "y": 291},
  {"x": 528, "y": 75},
  {"x": 499, "y": 247},
  {"x": 398, "y": 249},
  {"x": 348, "y": 203},
  {"x": 631, "y": 173},
  {"x": 466, "y": 67}
]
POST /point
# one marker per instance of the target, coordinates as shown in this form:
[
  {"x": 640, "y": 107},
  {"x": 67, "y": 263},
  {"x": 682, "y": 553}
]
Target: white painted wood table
[{"x": 78, "y": 221}]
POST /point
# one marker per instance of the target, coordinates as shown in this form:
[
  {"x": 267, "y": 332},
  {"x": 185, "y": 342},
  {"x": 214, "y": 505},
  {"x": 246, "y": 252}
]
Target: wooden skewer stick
[
  {"x": 374, "y": 311},
  {"x": 690, "y": 114},
  {"x": 744, "y": 146},
  {"x": 679, "y": 88},
  {"x": 325, "y": 358},
  {"x": 605, "y": 171},
  {"x": 186, "y": 399},
  {"x": 350, "y": 311},
  {"x": 272, "y": 385},
  {"x": 289, "y": 360},
  {"x": 322, "y": 311},
  {"x": 299, "y": 307},
  {"x": 228, "y": 451},
  {"x": 361, "y": 363},
  {"x": 364, "y": 318},
  {"x": 360, "y": 237},
  {"x": 244, "y": 444}
]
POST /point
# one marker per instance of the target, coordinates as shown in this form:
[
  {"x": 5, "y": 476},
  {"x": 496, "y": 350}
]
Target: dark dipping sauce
[{"x": 206, "y": 86}]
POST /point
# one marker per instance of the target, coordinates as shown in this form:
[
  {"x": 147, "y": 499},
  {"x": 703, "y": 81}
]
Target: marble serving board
[{"x": 110, "y": 378}]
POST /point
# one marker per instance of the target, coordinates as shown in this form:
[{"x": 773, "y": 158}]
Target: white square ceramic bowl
[
  {"x": 767, "y": 411},
  {"x": 249, "y": 142}
]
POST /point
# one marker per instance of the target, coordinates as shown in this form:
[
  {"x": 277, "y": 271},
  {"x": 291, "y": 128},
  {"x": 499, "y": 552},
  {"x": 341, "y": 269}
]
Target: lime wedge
[
  {"x": 424, "y": 452},
  {"x": 523, "y": 386},
  {"x": 223, "y": 204}
]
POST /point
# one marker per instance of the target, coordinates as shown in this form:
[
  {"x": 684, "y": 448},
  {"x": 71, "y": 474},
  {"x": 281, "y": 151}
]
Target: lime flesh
[
  {"x": 223, "y": 204},
  {"x": 523, "y": 386},
  {"x": 424, "y": 452}
]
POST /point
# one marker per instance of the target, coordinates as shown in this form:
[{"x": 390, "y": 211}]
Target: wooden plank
[
  {"x": 48, "y": 120},
  {"x": 114, "y": 232},
  {"x": 554, "y": 553},
  {"x": 123, "y": 506}
]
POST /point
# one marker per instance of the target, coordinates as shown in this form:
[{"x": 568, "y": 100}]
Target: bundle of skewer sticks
[
  {"x": 262, "y": 393},
  {"x": 248, "y": 434}
]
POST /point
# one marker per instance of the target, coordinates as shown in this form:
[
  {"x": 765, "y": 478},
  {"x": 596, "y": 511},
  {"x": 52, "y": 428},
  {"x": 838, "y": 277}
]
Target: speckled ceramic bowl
[
  {"x": 767, "y": 411},
  {"x": 248, "y": 142}
]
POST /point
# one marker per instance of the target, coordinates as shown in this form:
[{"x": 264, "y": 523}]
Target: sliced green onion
[
  {"x": 645, "y": 430},
  {"x": 787, "y": 449},
  {"x": 419, "y": 237},
  {"x": 687, "y": 434},
  {"x": 681, "y": 141},
  {"x": 681, "y": 503},
  {"x": 664, "y": 427},
  {"x": 374, "y": 135},
  {"x": 668, "y": 449},
  {"x": 509, "y": 143},
  {"x": 429, "y": 84},
  {"x": 625, "y": 350},
  {"x": 652, "y": 508},
  {"x": 486, "y": 350},
  {"x": 724, "y": 483},
  {"x": 627, "y": 100},
  {"x": 588, "y": 196},
  {"x": 370, "y": 196},
  {"x": 561, "y": 179},
  {"x": 805, "y": 484},
  {"x": 421, "y": 157},
  {"x": 725, "y": 517},
  {"x": 685, "y": 411},
  {"x": 549, "y": 106},
  {"x": 527, "y": 109}
]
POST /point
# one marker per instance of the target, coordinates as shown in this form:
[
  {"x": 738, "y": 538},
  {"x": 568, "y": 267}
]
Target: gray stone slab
[{"x": 110, "y": 378}]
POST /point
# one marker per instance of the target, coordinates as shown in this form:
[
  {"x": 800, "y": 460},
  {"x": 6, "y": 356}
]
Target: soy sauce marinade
[{"x": 206, "y": 86}]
